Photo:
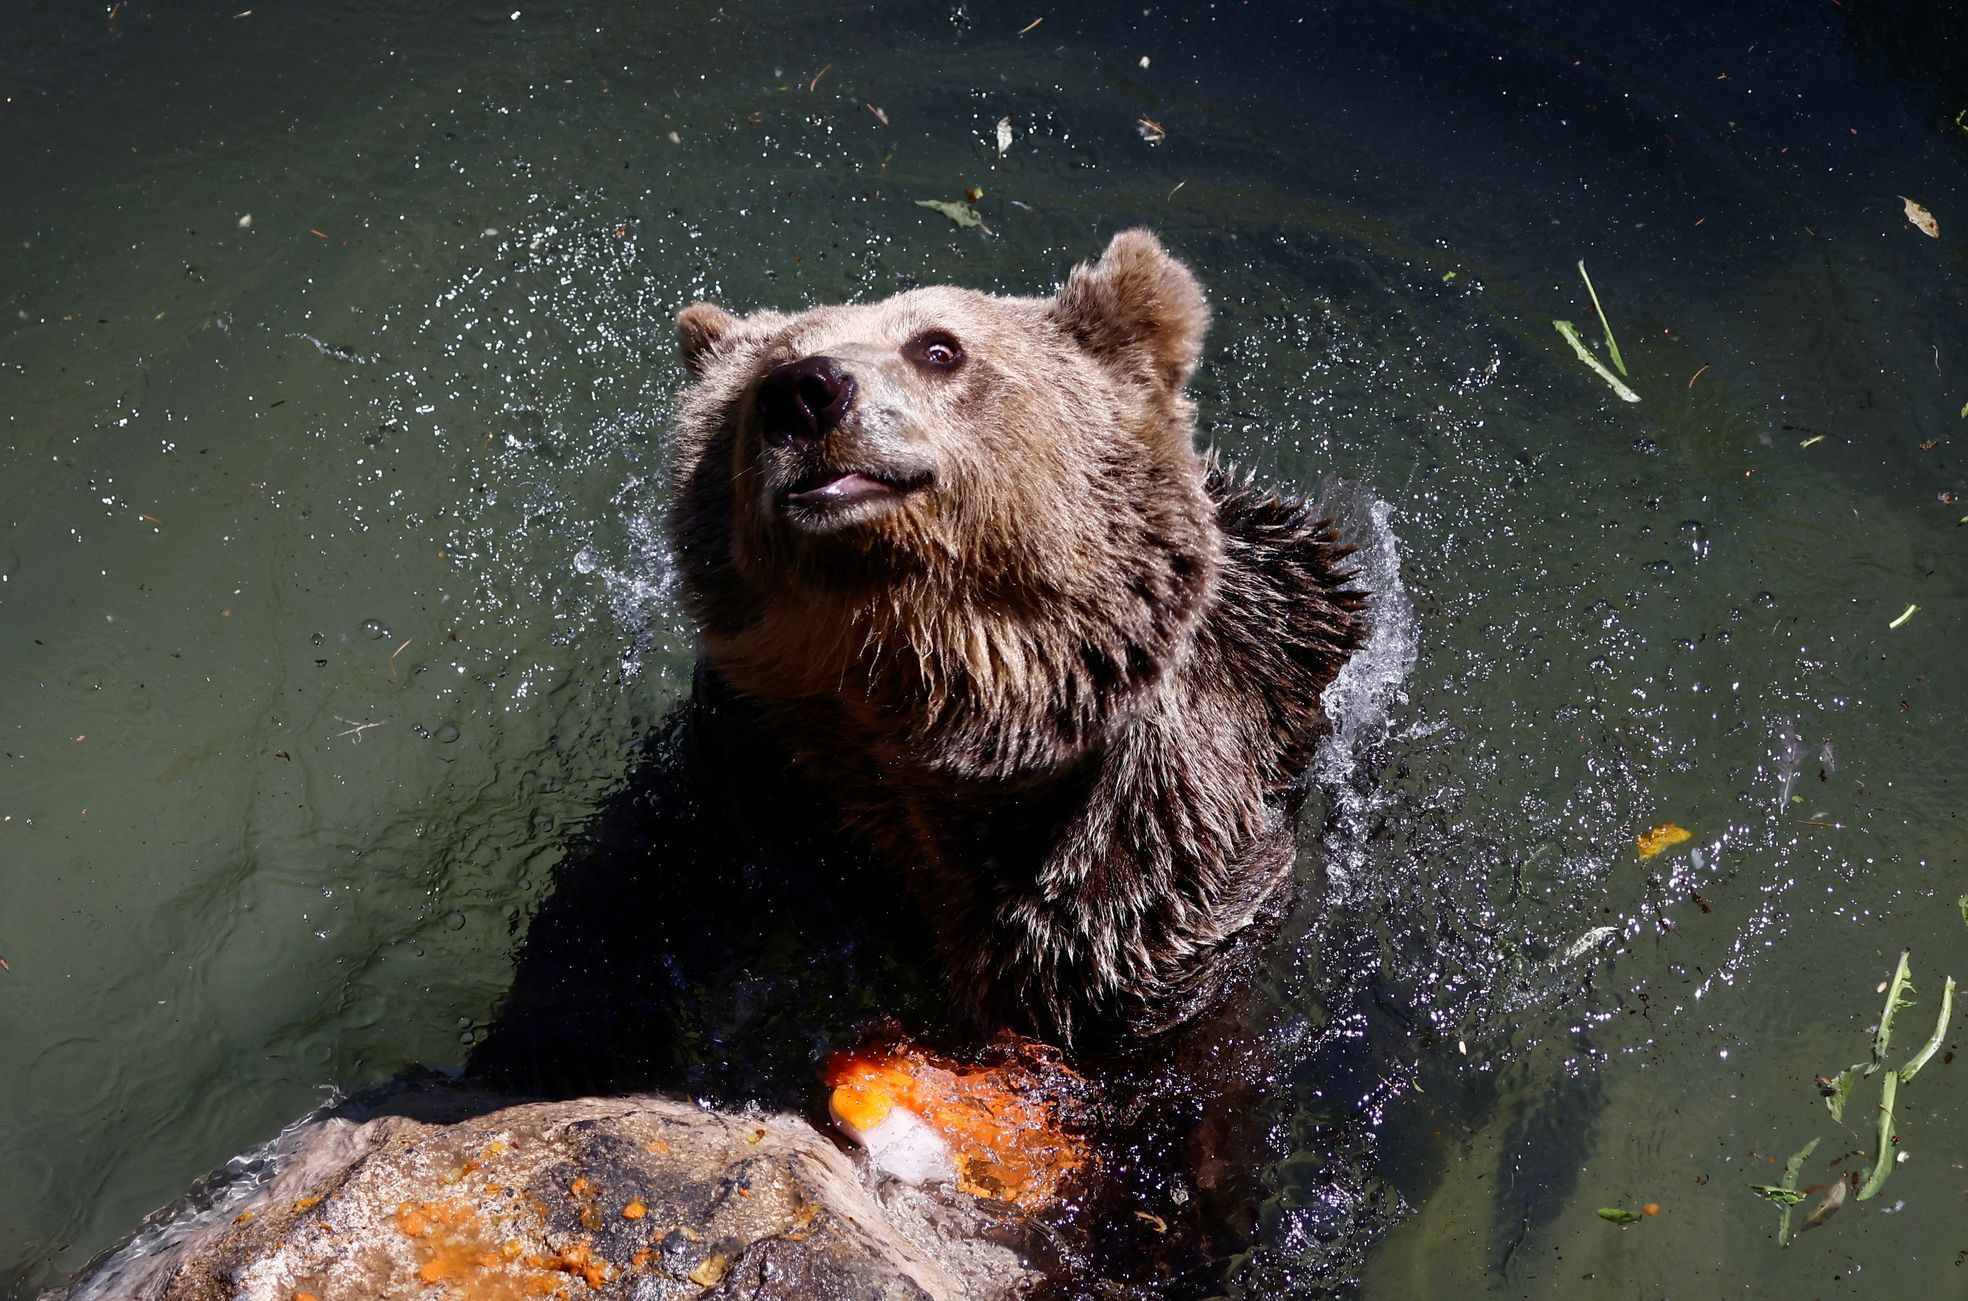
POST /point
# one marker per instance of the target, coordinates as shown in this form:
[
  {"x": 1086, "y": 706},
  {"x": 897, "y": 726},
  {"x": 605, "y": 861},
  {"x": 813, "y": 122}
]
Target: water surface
[{"x": 335, "y": 375}]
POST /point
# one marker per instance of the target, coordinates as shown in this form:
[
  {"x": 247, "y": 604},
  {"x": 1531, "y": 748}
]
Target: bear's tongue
[{"x": 838, "y": 487}]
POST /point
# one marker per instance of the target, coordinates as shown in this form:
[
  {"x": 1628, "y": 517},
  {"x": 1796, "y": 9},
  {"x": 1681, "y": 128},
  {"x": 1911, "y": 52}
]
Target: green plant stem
[
  {"x": 1912, "y": 1068},
  {"x": 1571, "y": 334},
  {"x": 1612, "y": 345},
  {"x": 1792, "y": 1168},
  {"x": 1883, "y": 1037},
  {"x": 1882, "y": 1165}
]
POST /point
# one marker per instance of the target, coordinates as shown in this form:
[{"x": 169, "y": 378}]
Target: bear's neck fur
[{"x": 1092, "y": 790}]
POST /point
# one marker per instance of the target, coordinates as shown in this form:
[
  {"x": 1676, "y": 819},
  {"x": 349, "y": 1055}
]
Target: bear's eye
[{"x": 935, "y": 350}]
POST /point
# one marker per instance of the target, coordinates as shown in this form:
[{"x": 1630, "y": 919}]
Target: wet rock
[{"x": 454, "y": 1194}]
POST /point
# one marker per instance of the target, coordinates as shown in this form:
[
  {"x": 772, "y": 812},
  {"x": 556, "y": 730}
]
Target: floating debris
[
  {"x": 1785, "y": 1194},
  {"x": 1571, "y": 334},
  {"x": 1827, "y": 1205},
  {"x": 1923, "y": 220},
  {"x": 1581, "y": 946},
  {"x": 1905, "y": 614},
  {"x": 1653, "y": 840},
  {"x": 347, "y": 356},
  {"x": 961, "y": 213}
]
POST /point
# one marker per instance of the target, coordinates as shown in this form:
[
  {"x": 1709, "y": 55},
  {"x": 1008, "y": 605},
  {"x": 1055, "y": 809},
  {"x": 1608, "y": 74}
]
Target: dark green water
[{"x": 388, "y": 454}]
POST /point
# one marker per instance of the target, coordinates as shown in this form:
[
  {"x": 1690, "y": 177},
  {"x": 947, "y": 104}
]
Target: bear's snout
[{"x": 803, "y": 401}]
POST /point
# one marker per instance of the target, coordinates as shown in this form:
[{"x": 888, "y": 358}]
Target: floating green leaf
[
  {"x": 1619, "y": 1215},
  {"x": 1785, "y": 1194},
  {"x": 1901, "y": 983},
  {"x": 956, "y": 210},
  {"x": 1841, "y": 1089},
  {"x": 1838, "y": 1091},
  {"x": 1571, "y": 334},
  {"x": 1778, "y": 1193}
]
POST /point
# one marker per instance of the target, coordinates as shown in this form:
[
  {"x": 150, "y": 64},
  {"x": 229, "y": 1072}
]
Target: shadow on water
[{"x": 708, "y": 934}]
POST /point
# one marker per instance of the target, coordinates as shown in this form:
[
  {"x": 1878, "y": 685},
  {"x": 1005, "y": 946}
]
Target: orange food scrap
[
  {"x": 804, "y": 1218},
  {"x": 244, "y": 1216},
  {"x": 454, "y": 1247},
  {"x": 1655, "y": 839},
  {"x": 306, "y": 1202},
  {"x": 1651, "y": 1208},
  {"x": 306, "y": 1296},
  {"x": 635, "y": 1210},
  {"x": 582, "y": 1186},
  {"x": 410, "y": 1221},
  {"x": 659, "y": 1147},
  {"x": 492, "y": 1149},
  {"x": 1011, "y": 1123}
]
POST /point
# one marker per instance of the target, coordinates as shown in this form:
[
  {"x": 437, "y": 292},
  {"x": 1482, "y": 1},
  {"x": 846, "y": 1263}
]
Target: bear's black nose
[{"x": 802, "y": 401}]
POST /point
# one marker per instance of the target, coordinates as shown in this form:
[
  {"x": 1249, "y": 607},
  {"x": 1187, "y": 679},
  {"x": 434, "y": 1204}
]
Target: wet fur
[{"x": 1069, "y": 689}]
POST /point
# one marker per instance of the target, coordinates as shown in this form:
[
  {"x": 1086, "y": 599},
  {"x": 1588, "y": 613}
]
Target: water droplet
[
  {"x": 317, "y": 639},
  {"x": 373, "y": 630},
  {"x": 456, "y": 921},
  {"x": 1696, "y": 536},
  {"x": 585, "y": 561},
  {"x": 446, "y": 734}
]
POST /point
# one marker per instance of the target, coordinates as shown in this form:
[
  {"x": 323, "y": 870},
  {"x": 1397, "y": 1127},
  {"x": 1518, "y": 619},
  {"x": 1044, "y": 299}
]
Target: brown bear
[{"x": 1060, "y": 668}]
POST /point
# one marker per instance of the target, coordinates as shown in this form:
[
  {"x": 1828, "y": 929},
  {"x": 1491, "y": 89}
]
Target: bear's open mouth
[
  {"x": 824, "y": 492},
  {"x": 838, "y": 487}
]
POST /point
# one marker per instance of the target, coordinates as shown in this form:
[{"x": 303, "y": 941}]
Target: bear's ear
[
  {"x": 1137, "y": 308},
  {"x": 699, "y": 328}
]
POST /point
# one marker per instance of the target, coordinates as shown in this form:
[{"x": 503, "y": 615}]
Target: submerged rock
[{"x": 453, "y": 1194}]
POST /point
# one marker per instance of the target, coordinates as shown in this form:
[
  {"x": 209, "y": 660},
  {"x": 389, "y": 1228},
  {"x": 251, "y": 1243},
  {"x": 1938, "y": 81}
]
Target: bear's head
[{"x": 974, "y": 521}]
